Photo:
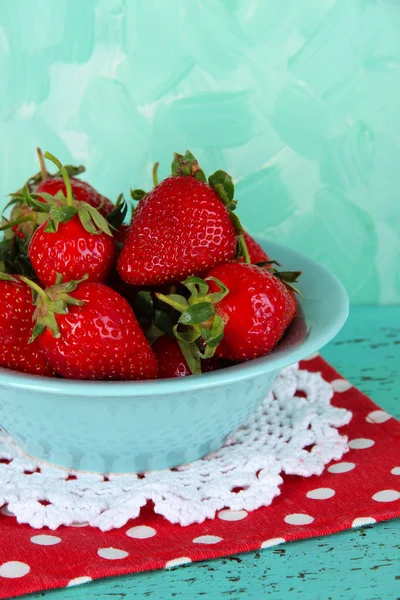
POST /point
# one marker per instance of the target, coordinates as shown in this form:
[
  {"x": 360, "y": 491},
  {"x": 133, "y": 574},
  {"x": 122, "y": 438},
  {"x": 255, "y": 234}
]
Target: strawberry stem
[
  {"x": 244, "y": 249},
  {"x": 155, "y": 176},
  {"x": 35, "y": 287},
  {"x": 202, "y": 328},
  {"x": 64, "y": 175},
  {"x": 10, "y": 224},
  {"x": 43, "y": 169},
  {"x": 179, "y": 305}
]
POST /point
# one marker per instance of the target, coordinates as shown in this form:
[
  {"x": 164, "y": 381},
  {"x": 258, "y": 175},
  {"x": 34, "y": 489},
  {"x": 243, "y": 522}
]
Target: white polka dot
[
  {"x": 299, "y": 519},
  {"x": 232, "y": 515},
  {"x": 386, "y": 496},
  {"x": 45, "y": 540},
  {"x": 207, "y": 539},
  {"x": 360, "y": 521},
  {"x": 311, "y": 356},
  {"x": 378, "y": 416},
  {"x": 83, "y": 524},
  {"x": 176, "y": 562},
  {"x": 321, "y": 493},
  {"x": 395, "y": 471},
  {"x": 361, "y": 443},
  {"x": 341, "y": 385},
  {"x": 112, "y": 553},
  {"x": 272, "y": 542},
  {"x": 14, "y": 569},
  {"x": 4, "y": 511},
  {"x": 79, "y": 581},
  {"x": 341, "y": 467},
  {"x": 141, "y": 532}
]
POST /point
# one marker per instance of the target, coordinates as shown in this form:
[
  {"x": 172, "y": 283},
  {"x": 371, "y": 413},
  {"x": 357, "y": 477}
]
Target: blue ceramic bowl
[{"x": 142, "y": 426}]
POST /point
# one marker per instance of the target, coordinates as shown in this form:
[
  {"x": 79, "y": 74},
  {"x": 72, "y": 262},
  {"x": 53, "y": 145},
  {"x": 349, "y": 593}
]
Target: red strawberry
[
  {"x": 71, "y": 251},
  {"x": 256, "y": 253},
  {"x": 239, "y": 311},
  {"x": 16, "y": 311},
  {"x": 172, "y": 363},
  {"x": 27, "y": 218},
  {"x": 183, "y": 226},
  {"x": 74, "y": 240},
  {"x": 297, "y": 332},
  {"x": 24, "y": 218},
  {"x": 81, "y": 191},
  {"x": 44, "y": 175},
  {"x": 95, "y": 334},
  {"x": 257, "y": 310}
]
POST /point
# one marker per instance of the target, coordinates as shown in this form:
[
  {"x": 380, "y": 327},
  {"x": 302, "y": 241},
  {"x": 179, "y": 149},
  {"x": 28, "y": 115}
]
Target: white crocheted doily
[{"x": 288, "y": 434}]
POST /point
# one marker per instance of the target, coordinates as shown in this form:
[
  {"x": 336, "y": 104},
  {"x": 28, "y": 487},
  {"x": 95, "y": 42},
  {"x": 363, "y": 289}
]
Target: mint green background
[{"x": 299, "y": 101}]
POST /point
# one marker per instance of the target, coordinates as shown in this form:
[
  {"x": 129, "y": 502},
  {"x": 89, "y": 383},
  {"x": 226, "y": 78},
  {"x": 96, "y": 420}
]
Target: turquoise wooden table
[{"x": 362, "y": 564}]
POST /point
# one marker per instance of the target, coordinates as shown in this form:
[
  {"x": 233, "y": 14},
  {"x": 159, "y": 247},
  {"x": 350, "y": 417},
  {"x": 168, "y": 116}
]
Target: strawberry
[
  {"x": 27, "y": 220},
  {"x": 185, "y": 225},
  {"x": 256, "y": 253},
  {"x": 238, "y": 312},
  {"x": 81, "y": 191},
  {"x": 85, "y": 330},
  {"x": 71, "y": 251},
  {"x": 24, "y": 219},
  {"x": 257, "y": 311},
  {"x": 44, "y": 175},
  {"x": 172, "y": 363},
  {"x": 16, "y": 311},
  {"x": 74, "y": 240},
  {"x": 297, "y": 333}
]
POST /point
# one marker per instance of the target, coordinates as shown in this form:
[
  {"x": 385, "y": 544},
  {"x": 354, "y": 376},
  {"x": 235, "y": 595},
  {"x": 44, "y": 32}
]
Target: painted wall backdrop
[{"x": 299, "y": 101}]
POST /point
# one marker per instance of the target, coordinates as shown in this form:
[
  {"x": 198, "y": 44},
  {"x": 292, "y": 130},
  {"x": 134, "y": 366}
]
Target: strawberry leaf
[
  {"x": 144, "y": 304},
  {"x": 98, "y": 219},
  {"x": 163, "y": 321},
  {"x": 236, "y": 223},
  {"x": 7, "y": 277},
  {"x": 137, "y": 195},
  {"x": 71, "y": 170},
  {"x": 86, "y": 221},
  {"x": 38, "y": 329},
  {"x": 217, "y": 296},
  {"x": 223, "y": 185},
  {"x": 192, "y": 356},
  {"x": 197, "y": 313},
  {"x": 186, "y": 336},
  {"x": 51, "y": 226},
  {"x": 213, "y": 336},
  {"x": 191, "y": 284},
  {"x": 117, "y": 216},
  {"x": 14, "y": 256},
  {"x": 32, "y": 201},
  {"x": 54, "y": 300},
  {"x": 187, "y": 165},
  {"x": 62, "y": 213},
  {"x": 15, "y": 199}
]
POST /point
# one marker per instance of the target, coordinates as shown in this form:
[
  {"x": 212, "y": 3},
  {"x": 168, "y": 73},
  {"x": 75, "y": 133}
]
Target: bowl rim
[{"x": 156, "y": 387}]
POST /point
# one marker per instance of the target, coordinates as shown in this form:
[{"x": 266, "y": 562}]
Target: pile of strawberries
[{"x": 181, "y": 290}]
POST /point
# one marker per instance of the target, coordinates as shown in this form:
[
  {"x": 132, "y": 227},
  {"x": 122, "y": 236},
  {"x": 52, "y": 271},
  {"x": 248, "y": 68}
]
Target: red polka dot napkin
[{"x": 362, "y": 488}]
